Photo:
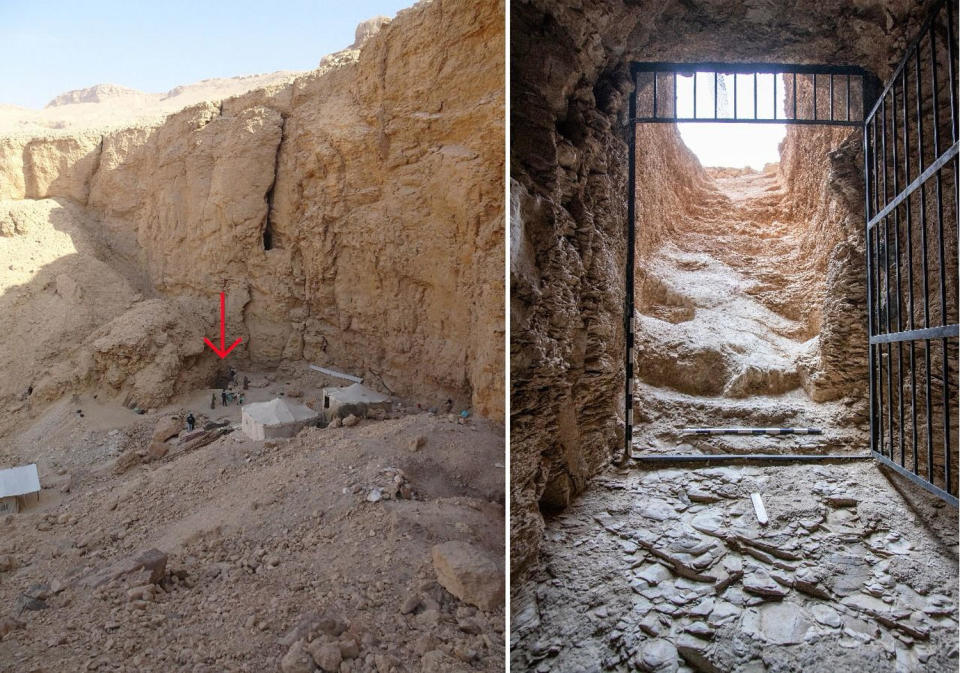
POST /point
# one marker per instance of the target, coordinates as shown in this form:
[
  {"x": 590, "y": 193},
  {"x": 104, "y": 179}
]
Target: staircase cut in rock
[{"x": 728, "y": 313}]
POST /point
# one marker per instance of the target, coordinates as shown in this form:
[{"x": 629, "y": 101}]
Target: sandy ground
[{"x": 259, "y": 535}]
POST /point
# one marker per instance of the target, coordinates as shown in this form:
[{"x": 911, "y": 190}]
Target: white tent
[
  {"x": 276, "y": 418},
  {"x": 357, "y": 394},
  {"x": 15, "y": 483}
]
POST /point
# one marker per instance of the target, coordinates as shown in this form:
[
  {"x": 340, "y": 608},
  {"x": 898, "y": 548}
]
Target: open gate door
[{"x": 911, "y": 172}]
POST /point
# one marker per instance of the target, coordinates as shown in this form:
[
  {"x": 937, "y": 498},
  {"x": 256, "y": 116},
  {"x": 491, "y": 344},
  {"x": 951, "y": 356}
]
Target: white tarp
[
  {"x": 19, "y": 481},
  {"x": 278, "y": 411},
  {"x": 356, "y": 394}
]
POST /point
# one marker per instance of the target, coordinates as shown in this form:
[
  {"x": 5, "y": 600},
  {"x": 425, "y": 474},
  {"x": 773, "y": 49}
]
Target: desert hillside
[{"x": 352, "y": 218}]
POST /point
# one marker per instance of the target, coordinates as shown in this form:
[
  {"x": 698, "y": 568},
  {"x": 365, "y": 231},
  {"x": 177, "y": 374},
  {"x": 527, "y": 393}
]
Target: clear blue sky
[{"x": 51, "y": 46}]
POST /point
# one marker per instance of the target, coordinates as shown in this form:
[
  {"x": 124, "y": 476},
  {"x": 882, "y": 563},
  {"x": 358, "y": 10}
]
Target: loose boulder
[{"x": 470, "y": 573}]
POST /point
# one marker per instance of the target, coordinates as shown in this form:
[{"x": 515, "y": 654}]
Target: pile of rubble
[
  {"x": 245, "y": 556},
  {"x": 671, "y": 571}
]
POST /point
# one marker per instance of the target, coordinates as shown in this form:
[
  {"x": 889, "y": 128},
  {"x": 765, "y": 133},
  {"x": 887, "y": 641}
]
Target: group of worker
[{"x": 225, "y": 398}]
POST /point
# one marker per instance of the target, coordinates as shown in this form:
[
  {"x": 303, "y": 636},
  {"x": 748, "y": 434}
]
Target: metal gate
[
  {"x": 911, "y": 200},
  {"x": 910, "y": 170}
]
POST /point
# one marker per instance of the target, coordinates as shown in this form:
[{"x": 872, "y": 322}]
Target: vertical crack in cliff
[
  {"x": 268, "y": 239},
  {"x": 93, "y": 173}
]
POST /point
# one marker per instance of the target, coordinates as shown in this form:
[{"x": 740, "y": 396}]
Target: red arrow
[{"x": 222, "y": 352}]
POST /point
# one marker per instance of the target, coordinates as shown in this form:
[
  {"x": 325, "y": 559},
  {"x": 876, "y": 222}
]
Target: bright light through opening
[{"x": 725, "y": 144}]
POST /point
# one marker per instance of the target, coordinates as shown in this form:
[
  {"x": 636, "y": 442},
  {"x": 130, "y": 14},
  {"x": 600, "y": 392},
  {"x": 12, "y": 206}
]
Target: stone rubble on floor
[{"x": 840, "y": 579}]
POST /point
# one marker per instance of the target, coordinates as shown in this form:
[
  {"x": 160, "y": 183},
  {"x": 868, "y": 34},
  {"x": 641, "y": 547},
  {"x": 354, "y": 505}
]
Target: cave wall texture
[
  {"x": 569, "y": 89},
  {"x": 378, "y": 184}
]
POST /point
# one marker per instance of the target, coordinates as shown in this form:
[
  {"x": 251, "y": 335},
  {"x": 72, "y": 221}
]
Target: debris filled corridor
[
  {"x": 729, "y": 315},
  {"x": 669, "y": 570}
]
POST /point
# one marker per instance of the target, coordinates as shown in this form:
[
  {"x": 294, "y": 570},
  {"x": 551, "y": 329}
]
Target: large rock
[
  {"x": 470, "y": 573},
  {"x": 297, "y": 659},
  {"x": 152, "y": 561},
  {"x": 167, "y": 427},
  {"x": 367, "y": 29},
  {"x": 659, "y": 656}
]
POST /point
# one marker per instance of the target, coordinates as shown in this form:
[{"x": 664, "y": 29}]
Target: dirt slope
[{"x": 259, "y": 535}]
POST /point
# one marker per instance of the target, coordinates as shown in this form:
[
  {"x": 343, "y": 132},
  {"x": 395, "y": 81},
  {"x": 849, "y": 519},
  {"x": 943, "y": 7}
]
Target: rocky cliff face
[
  {"x": 569, "y": 87},
  {"x": 353, "y": 217}
]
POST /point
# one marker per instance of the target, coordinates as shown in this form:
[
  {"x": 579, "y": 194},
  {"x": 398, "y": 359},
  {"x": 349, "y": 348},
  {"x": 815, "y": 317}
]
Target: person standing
[
  {"x": 223, "y": 397},
  {"x": 191, "y": 422}
]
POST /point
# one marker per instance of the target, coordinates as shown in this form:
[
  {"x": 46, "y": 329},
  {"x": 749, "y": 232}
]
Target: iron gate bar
[
  {"x": 942, "y": 332},
  {"x": 795, "y": 95},
  {"x": 911, "y": 303},
  {"x": 736, "y": 69},
  {"x": 631, "y": 244},
  {"x": 882, "y": 208},
  {"x": 929, "y": 172},
  {"x": 918, "y": 480},
  {"x": 886, "y": 272},
  {"x": 896, "y": 256},
  {"x": 945, "y": 389},
  {"x": 867, "y": 149}
]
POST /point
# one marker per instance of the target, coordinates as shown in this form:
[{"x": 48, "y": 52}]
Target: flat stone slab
[
  {"x": 469, "y": 573},
  {"x": 776, "y": 623}
]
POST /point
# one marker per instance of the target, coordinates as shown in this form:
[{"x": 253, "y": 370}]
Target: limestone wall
[{"x": 354, "y": 216}]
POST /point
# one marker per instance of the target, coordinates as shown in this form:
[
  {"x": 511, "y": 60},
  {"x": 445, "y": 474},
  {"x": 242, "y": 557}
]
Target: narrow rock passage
[
  {"x": 728, "y": 313},
  {"x": 669, "y": 571}
]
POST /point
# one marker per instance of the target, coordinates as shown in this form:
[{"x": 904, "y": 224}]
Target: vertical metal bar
[
  {"x": 886, "y": 273},
  {"x": 676, "y": 112},
  {"x": 896, "y": 258},
  {"x": 628, "y": 299},
  {"x": 734, "y": 95},
  {"x": 923, "y": 259},
  {"x": 654, "y": 94},
  {"x": 941, "y": 258},
  {"x": 694, "y": 94},
  {"x": 794, "y": 95},
  {"x": 774, "y": 95},
  {"x": 951, "y": 76},
  {"x": 755, "y": 96},
  {"x": 716, "y": 93},
  {"x": 831, "y": 96},
  {"x": 848, "y": 97},
  {"x": 814, "y": 95},
  {"x": 870, "y": 347},
  {"x": 913, "y": 364},
  {"x": 877, "y": 205},
  {"x": 954, "y": 132}
]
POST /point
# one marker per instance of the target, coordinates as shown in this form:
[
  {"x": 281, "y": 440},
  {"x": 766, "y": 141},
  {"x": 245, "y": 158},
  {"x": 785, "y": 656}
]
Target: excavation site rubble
[
  {"x": 250, "y": 511},
  {"x": 670, "y": 570}
]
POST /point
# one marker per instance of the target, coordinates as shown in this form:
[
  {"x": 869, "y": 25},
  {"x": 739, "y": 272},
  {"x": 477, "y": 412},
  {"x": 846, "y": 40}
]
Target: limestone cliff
[{"x": 353, "y": 216}]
